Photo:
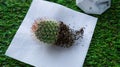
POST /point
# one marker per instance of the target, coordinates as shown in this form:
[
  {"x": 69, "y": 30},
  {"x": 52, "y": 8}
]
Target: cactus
[{"x": 53, "y": 32}]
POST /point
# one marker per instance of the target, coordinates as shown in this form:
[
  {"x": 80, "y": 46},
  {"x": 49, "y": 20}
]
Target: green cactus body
[{"x": 47, "y": 31}]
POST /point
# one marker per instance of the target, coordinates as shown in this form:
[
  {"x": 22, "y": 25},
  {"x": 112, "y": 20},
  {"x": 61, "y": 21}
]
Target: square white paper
[{"x": 24, "y": 47}]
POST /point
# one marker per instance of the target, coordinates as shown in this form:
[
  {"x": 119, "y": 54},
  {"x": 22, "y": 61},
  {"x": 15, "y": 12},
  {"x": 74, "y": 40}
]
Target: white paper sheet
[{"x": 24, "y": 47}]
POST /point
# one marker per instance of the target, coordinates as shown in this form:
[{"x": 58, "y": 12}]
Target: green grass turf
[{"x": 104, "y": 50}]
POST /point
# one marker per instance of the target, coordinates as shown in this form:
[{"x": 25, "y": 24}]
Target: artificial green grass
[{"x": 104, "y": 50}]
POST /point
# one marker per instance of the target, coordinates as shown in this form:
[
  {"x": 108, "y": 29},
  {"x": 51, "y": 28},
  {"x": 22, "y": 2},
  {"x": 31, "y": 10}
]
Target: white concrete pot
[{"x": 94, "y": 6}]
